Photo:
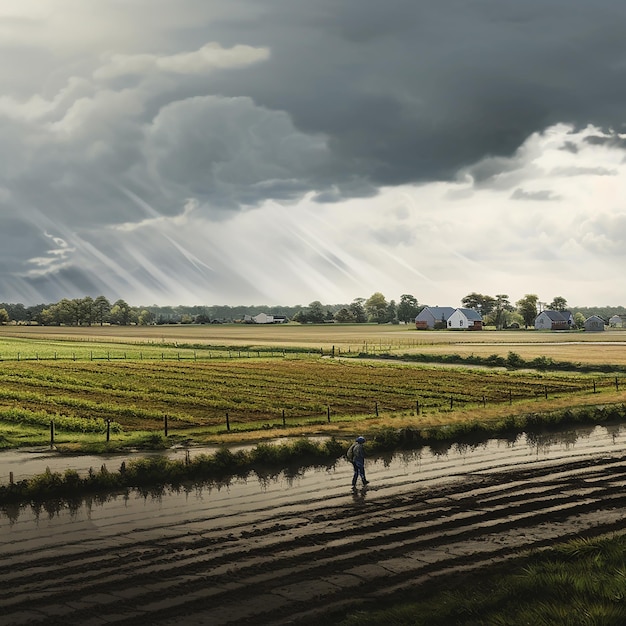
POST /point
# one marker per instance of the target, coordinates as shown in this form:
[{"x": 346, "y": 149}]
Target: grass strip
[
  {"x": 578, "y": 583},
  {"x": 160, "y": 472},
  {"x": 512, "y": 361}
]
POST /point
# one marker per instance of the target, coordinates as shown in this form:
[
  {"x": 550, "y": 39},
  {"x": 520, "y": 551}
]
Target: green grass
[
  {"x": 160, "y": 472},
  {"x": 579, "y": 583}
]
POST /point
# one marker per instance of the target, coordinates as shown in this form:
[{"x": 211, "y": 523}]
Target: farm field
[
  {"x": 208, "y": 382},
  {"x": 137, "y": 395},
  {"x": 605, "y": 347},
  {"x": 294, "y": 555},
  {"x": 306, "y": 549}
]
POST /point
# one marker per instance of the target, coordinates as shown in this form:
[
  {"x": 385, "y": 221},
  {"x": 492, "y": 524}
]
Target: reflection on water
[{"x": 406, "y": 469}]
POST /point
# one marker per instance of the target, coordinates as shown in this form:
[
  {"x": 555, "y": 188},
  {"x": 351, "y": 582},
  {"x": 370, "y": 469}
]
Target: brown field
[{"x": 605, "y": 347}]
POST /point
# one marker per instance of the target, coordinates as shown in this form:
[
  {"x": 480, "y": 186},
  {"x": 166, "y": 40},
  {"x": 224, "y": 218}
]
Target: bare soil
[{"x": 301, "y": 550}]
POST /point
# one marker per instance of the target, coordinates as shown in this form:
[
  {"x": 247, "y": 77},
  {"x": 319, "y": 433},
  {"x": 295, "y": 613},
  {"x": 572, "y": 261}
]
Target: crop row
[
  {"x": 138, "y": 394},
  {"x": 65, "y": 422}
]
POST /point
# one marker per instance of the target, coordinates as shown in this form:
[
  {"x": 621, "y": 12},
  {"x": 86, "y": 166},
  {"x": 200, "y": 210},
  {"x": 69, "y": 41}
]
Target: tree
[
  {"x": 316, "y": 313},
  {"x": 301, "y": 317},
  {"x": 344, "y": 316},
  {"x": 408, "y": 308},
  {"x": 392, "y": 312},
  {"x": 478, "y": 302},
  {"x": 558, "y": 304},
  {"x": 527, "y": 308},
  {"x": 120, "y": 313},
  {"x": 501, "y": 307},
  {"x": 579, "y": 320},
  {"x": 4, "y": 317},
  {"x": 376, "y": 308},
  {"x": 357, "y": 309},
  {"x": 145, "y": 318},
  {"x": 87, "y": 310},
  {"x": 102, "y": 308}
]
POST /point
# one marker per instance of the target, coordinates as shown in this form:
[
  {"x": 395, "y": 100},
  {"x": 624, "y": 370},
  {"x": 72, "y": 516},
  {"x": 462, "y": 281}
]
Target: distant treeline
[
  {"x": 90, "y": 311},
  {"x": 97, "y": 311}
]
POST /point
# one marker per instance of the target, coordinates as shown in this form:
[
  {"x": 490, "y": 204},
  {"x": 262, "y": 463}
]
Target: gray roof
[
  {"x": 437, "y": 312},
  {"x": 557, "y": 316},
  {"x": 472, "y": 315}
]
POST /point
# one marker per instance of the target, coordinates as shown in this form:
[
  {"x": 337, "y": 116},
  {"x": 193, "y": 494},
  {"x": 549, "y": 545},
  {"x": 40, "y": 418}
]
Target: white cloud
[{"x": 211, "y": 56}]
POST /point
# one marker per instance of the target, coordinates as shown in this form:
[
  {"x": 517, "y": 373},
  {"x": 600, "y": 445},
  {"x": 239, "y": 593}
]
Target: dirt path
[{"x": 290, "y": 558}]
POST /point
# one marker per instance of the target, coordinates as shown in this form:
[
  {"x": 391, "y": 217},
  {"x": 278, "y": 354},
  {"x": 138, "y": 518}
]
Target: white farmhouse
[
  {"x": 465, "y": 319},
  {"x": 264, "y": 318}
]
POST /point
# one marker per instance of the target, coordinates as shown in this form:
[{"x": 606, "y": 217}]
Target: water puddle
[{"x": 260, "y": 495}]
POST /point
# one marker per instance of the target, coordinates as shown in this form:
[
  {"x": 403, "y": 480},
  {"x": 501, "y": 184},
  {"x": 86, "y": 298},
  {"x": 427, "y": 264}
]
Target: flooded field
[{"x": 287, "y": 548}]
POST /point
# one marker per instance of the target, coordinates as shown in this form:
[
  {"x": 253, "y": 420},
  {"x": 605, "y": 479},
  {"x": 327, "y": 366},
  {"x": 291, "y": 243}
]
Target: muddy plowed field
[{"x": 296, "y": 555}]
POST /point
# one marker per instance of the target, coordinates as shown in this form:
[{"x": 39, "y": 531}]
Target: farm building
[
  {"x": 264, "y": 318},
  {"x": 617, "y": 321},
  {"x": 554, "y": 320},
  {"x": 465, "y": 319},
  {"x": 442, "y": 317},
  {"x": 433, "y": 317},
  {"x": 594, "y": 324}
]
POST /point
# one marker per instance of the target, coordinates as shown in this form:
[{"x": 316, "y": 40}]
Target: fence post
[
  {"x": 10, "y": 478},
  {"x": 451, "y": 401},
  {"x": 594, "y": 386},
  {"x": 108, "y": 430},
  {"x": 510, "y": 397},
  {"x": 484, "y": 401},
  {"x": 51, "y": 433},
  {"x": 165, "y": 424},
  {"x": 328, "y": 413},
  {"x": 284, "y": 417},
  {"x": 376, "y": 408},
  {"x": 616, "y": 384},
  {"x": 545, "y": 391},
  {"x": 227, "y": 423},
  {"x": 417, "y": 407}
]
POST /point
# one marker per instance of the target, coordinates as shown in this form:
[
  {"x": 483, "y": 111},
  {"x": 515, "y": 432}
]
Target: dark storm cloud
[
  {"x": 116, "y": 116},
  {"x": 413, "y": 91}
]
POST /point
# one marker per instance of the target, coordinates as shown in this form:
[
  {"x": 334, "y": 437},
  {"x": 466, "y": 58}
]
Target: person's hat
[{"x": 360, "y": 439}]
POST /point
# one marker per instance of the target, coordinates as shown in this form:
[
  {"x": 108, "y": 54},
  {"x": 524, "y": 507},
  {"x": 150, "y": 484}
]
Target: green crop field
[
  {"x": 138, "y": 394},
  {"x": 213, "y": 379}
]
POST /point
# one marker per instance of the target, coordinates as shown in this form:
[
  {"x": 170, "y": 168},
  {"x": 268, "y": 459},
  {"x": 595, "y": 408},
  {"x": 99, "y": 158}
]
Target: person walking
[{"x": 356, "y": 455}]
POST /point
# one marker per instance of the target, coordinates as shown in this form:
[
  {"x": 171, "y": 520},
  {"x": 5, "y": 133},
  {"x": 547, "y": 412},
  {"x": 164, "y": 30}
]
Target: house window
[{"x": 460, "y": 322}]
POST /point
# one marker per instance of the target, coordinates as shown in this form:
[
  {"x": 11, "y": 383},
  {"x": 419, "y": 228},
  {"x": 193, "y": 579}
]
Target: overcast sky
[{"x": 285, "y": 151}]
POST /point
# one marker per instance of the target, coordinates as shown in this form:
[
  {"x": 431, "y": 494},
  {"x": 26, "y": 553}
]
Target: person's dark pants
[{"x": 359, "y": 470}]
